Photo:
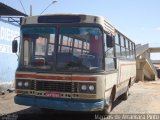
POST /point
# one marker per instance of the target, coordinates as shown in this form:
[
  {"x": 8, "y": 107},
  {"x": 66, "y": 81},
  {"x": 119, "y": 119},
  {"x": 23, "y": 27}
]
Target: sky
[{"x": 137, "y": 19}]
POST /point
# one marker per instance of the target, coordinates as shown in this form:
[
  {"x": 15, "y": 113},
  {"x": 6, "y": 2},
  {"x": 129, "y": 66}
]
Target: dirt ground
[{"x": 143, "y": 99}]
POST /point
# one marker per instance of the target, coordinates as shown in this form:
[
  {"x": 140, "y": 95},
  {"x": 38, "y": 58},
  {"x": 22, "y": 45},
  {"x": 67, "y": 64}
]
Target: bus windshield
[{"x": 64, "y": 49}]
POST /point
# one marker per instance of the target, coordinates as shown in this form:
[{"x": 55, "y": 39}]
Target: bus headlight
[
  {"x": 84, "y": 87},
  {"x": 19, "y": 84},
  {"x": 23, "y": 84},
  {"x": 91, "y": 87},
  {"x": 26, "y": 84}
]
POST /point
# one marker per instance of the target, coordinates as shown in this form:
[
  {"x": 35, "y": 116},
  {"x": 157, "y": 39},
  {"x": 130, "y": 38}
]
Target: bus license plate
[{"x": 52, "y": 94}]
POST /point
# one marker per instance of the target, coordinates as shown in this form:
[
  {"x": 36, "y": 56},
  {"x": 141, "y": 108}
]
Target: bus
[{"x": 72, "y": 62}]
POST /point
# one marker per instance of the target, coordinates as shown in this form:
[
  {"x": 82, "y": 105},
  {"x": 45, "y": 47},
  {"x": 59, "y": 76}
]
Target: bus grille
[{"x": 56, "y": 86}]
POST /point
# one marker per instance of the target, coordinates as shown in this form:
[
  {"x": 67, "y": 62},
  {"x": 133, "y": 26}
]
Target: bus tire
[
  {"x": 108, "y": 108},
  {"x": 124, "y": 96}
]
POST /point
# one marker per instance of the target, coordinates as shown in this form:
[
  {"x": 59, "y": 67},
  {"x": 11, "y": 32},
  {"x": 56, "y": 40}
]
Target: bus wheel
[
  {"x": 107, "y": 108},
  {"x": 124, "y": 96}
]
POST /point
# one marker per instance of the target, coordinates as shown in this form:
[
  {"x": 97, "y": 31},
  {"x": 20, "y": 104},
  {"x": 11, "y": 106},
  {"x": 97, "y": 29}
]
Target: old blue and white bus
[{"x": 73, "y": 62}]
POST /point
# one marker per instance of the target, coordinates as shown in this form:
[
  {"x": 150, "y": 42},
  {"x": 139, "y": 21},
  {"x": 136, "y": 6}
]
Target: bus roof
[
  {"x": 72, "y": 18},
  {"x": 69, "y": 18}
]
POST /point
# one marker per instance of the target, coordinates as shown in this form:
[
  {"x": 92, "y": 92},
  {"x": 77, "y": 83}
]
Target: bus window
[
  {"x": 122, "y": 41},
  {"x": 127, "y": 46},
  {"x": 65, "y": 44},
  {"x": 130, "y": 50},
  {"x": 26, "y": 51},
  {"x": 52, "y": 38},
  {"x": 86, "y": 46},
  {"x": 116, "y": 38},
  {"x": 96, "y": 46},
  {"x": 51, "y": 44},
  {"x": 127, "y": 53},
  {"x": 40, "y": 46},
  {"x": 109, "y": 56},
  {"x": 118, "y": 51},
  {"x": 133, "y": 50},
  {"x": 109, "y": 64},
  {"x": 82, "y": 51},
  {"x": 123, "y": 51},
  {"x": 50, "y": 49},
  {"x": 108, "y": 51},
  {"x": 80, "y": 44},
  {"x": 105, "y": 38}
]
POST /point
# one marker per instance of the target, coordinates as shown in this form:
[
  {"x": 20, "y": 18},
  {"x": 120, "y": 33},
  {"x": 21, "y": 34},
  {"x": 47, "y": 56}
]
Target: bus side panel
[
  {"x": 100, "y": 86},
  {"x": 111, "y": 80},
  {"x": 133, "y": 73},
  {"x": 127, "y": 71}
]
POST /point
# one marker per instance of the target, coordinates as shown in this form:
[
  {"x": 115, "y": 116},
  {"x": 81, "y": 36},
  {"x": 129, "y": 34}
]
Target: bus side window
[
  {"x": 26, "y": 52},
  {"x": 123, "y": 50},
  {"x": 127, "y": 49},
  {"x": 130, "y": 50},
  {"x": 109, "y": 56},
  {"x": 133, "y": 51},
  {"x": 117, "y": 45}
]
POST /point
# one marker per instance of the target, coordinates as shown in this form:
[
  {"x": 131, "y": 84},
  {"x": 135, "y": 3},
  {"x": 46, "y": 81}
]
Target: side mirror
[
  {"x": 14, "y": 46},
  {"x": 110, "y": 41}
]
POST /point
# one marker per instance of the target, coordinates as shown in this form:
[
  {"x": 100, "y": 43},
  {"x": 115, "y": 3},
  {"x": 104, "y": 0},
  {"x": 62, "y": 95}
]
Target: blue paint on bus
[{"x": 61, "y": 104}]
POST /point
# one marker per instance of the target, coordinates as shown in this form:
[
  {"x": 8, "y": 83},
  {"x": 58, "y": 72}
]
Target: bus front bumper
[{"x": 61, "y": 104}]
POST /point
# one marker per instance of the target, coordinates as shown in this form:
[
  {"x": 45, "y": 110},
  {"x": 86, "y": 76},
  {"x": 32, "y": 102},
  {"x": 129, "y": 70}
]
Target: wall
[{"x": 8, "y": 60}]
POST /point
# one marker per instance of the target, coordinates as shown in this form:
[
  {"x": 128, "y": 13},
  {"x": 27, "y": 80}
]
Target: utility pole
[{"x": 30, "y": 10}]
